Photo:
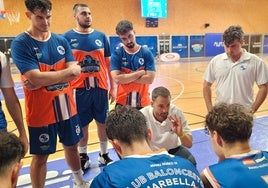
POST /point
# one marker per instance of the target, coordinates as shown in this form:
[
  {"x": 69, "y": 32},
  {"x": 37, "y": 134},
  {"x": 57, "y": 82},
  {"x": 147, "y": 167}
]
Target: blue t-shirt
[
  {"x": 151, "y": 170},
  {"x": 243, "y": 172}
]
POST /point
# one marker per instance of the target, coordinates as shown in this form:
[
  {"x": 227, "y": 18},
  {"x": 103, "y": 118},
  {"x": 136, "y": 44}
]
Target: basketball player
[
  {"x": 132, "y": 68},
  {"x": 91, "y": 48},
  {"x": 230, "y": 128},
  {"x": 139, "y": 165},
  {"x": 47, "y": 66}
]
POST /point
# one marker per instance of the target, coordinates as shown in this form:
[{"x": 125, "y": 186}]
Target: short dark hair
[
  {"x": 233, "y": 122},
  {"x": 123, "y": 27},
  {"x": 126, "y": 124},
  {"x": 42, "y": 5},
  {"x": 160, "y": 91},
  {"x": 11, "y": 150},
  {"x": 233, "y": 33},
  {"x": 76, "y": 6}
]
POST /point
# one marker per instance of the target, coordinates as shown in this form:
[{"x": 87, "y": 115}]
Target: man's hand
[
  {"x": 112, "y": 95},
  {"x": 29, "y": 85},
  {"x": 75, "y": 69},
  {"x": 177, "y": 126}
]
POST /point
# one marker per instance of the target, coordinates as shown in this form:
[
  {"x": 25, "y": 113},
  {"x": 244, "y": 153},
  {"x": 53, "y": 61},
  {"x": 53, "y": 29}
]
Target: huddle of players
[{"x": 132, "y": 68}]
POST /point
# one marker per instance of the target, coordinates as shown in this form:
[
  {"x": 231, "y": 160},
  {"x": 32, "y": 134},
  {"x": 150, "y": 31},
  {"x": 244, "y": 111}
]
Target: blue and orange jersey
[
  {"x": 134, "y": 94},
  {"x": 94, "y": 44},
  {"x": 245, "y": 171},
  {"x": 50, "y": 104}
]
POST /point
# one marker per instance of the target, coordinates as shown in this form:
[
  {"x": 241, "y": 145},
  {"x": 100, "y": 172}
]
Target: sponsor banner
[
  {"x": 115, "y": 42},
  {"x": 149, "y": 42},
  {"x": 246, "y": 42},
  {"x": 214, "y": 44},
  {"x": 197, "y": 46},
  {"x": 265, "y": 44},
  {"x": 255, "y": 44},
  {"x": 180, "y": 45}
]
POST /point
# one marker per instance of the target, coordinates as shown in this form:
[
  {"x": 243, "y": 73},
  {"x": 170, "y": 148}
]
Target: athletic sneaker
[
  {"x": 84, "y": 185},
  {"x": 104, "y": 159},
  {"x": 85, "y": 162}
]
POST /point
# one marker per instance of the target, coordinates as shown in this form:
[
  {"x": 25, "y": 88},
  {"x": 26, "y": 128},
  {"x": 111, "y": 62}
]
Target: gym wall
[{"x": 184, "y": 16}]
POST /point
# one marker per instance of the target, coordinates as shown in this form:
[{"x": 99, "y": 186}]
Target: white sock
[
  {"x": 82, "y": 149},
  {"x": 78, "y": 177},
  {"x": 103, "y": 147}
]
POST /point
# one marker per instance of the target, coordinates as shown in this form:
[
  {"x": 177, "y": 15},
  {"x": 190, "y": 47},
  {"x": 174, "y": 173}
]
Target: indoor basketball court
[
  {"x": 184, "y": 79},
  {"x": 181, "y": 60}
]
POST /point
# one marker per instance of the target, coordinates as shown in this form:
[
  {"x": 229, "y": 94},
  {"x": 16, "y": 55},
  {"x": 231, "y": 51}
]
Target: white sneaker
[
  {"x": 84, "y": 185},
  {"x": 104, "y": 159}
]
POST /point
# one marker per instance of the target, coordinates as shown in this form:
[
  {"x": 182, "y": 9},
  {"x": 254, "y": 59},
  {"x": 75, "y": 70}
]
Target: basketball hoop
[
  {"x": 3, "y": 14},
  {"x": 12, "y": 16}
]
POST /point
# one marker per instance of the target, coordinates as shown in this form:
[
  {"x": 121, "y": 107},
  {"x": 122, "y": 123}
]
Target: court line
[{"x": 179, "y": 82}]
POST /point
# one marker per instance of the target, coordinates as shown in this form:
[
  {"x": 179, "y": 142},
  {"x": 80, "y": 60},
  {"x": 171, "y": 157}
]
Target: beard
[
  {"x": 161, "y": 116},
  {"x": 84, "y": 24},
  {"x": 130, "y": 45}
]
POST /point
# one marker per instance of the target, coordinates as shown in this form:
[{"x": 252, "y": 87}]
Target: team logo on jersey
[
  {"x": 141, "y": 61},
  {"x": 55, "y": 87},
  {"x": 37, "y": 53},
  {"x": 243, "y": 67},
  {"x": 61, "y": 50},
  {"x": 74, "y": 43},
  {"x": 43, "y": 138},
  {"x": 98, "y": 42},
  {"x": 124, "y": 61}
]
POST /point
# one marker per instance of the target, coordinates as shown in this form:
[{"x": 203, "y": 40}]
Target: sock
[
  {"x": 103, "y": 147},
  {"x": 82, "y": 149},
  {"x": 78, "y": 177}
]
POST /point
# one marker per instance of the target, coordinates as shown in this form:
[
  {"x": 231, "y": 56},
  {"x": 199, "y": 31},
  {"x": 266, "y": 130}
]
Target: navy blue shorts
[
  {"x": 3, "y": 121},
  {"x": 43, "y": 140},
  {"x": 92, "y": 104}
]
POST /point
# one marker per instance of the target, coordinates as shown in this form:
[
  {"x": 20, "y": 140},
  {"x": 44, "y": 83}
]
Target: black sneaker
[
  {"x": 85, "y": 162},
  {"x": 104, "y": 159}
]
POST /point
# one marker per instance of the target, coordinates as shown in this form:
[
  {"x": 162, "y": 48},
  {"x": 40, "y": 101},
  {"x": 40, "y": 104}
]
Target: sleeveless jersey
[
  {"x": 97, "y": 46},
  {"x": 127, "y": 63},
  {"x": 50, "y": 104}
]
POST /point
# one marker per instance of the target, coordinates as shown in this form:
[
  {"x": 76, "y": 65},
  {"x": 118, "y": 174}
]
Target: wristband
[{"x": 183, "y": 135}]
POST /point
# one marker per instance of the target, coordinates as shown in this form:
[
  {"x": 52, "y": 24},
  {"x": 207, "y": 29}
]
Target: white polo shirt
[
  {"x": 235, "y": 81},
  {"x": 162, "y": 134}
]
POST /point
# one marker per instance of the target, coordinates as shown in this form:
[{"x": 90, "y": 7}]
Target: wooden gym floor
[{"x": 183, "y": 79}]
